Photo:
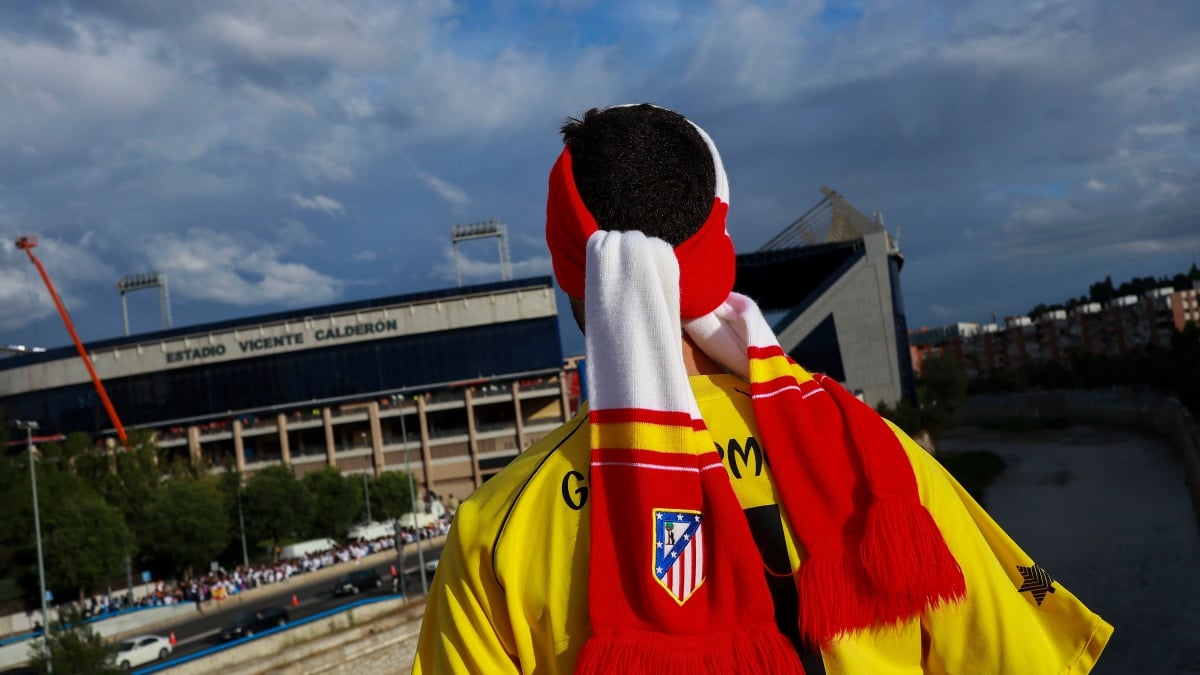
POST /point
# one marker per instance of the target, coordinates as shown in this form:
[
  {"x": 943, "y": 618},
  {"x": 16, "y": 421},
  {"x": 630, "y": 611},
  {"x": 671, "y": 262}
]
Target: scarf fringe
[
  {"x": 904, "y": 551},
  {"x": 752, "y": 651},
  {"x": 903, "y": 569},
  {"x": 835, "y": 595}
]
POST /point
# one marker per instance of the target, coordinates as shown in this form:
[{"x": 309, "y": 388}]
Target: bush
[
  {"x": 73, "y": 647},
  {"x": 975, "y": 470}
]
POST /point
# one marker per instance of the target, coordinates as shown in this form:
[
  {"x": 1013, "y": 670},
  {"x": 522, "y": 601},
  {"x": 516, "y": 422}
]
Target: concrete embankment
[
  {"x": 1151, "y": 412},
  {"x": 162, "y": 619},
  {"x": 375, "y": 638},
  {"x": 1107, "y": 505}
]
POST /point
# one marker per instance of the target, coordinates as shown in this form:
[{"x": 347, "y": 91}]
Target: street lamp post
[
  {"x": 412, "y": 493},
  {"x": 242, "y": 525},
  {"x": 367, "y": 493},
  {"x": 29, "y": 426}
]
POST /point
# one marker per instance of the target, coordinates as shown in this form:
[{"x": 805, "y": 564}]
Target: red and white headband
[{"x": 707, "y": 261}]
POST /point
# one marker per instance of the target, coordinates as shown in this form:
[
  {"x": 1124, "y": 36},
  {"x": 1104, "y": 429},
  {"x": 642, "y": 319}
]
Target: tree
[
  {"x": 275, "y": 504},
  {"x": 903, "y": 414},
  {"x": 336, "y": 501},
  {"x": 1185, "y": 354},
  {"x": 1102, "y": 291},
  {"x": 390, "y": 496},
  {"x": 229, "y": 484},
  {"x": 185, "y": 525},
  {"x": 86, "y": 542},
  {"x": 84, "y": 539},
  {"x": 941, "y": 391},
  {"x": 134, "y": 480},
  {"x": 73, "y": 647}
]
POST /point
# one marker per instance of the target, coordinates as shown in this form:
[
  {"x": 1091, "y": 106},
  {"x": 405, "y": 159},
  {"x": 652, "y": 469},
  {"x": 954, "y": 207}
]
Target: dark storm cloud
[{"x": 270, "y": 154}]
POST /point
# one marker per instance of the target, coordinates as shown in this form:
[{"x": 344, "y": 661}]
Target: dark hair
[{"x": 642, "y": 168}]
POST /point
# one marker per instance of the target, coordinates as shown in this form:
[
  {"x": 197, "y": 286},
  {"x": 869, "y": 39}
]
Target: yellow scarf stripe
[
  {"x": 649, "y": 436},
  {"x": 765, "y": 370}
]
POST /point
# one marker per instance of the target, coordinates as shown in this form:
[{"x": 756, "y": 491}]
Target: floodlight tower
[
  {"x": 490, "y": 228},
  {"x": 137, "y": 282}
]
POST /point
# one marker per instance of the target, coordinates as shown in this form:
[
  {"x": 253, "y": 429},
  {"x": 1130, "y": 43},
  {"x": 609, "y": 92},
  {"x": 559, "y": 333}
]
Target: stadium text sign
[{"x": 285, "y": 341}]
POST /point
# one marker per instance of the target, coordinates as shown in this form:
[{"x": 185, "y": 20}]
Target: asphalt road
[
  {"x": 313, "y": 597},
  {"x": 314, "y": 594}
]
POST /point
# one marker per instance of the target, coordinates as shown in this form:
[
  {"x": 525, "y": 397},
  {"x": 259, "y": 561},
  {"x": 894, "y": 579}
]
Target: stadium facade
[
  {"x": 829, "y": 284},
  {"x": 469, "y": 375},
  {"x": 452, "y": 383}
]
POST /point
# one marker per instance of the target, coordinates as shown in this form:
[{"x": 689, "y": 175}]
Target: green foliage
[
  {"x": 903, "y": 414},
  {"x": 942, "y": 390},
  {"x": 1175, "y": 370},
  {"x": 975, "y": 470},
  {"x": 73, "y": 647},
  {"x": 85, "y": 541},
  {"x": 390, "y": 495},
  {"x": 275, "y": 504},
  {"x": 185, "y": 525},
  {"x": 336, "y": 501},
  {"x": 1184, "y": 376},
  {"x": 133, "y": 481},
  {"x": 1103, "y": 291}
]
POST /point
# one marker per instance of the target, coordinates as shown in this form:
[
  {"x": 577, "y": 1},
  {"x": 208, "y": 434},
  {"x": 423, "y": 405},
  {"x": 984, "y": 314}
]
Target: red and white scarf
[{"x": 675, "y": 578}]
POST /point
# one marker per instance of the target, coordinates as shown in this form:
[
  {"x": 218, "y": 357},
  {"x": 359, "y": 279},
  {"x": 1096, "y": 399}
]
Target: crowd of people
[{"x": 221, "y": 584}]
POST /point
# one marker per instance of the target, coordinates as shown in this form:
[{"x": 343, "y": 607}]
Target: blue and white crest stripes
[{"x": 678, "y": 552}]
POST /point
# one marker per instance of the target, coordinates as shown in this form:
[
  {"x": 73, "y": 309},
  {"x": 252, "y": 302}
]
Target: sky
[{"x": 279, "y": 155}]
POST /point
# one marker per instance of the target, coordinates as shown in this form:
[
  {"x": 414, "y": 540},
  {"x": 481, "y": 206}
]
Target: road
[{"x": 313, "y": 596}]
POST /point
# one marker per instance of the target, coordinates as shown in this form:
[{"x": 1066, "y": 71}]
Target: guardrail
[
  {"x": 12, "y": 639},
  {"x": 194, "y": 656}
]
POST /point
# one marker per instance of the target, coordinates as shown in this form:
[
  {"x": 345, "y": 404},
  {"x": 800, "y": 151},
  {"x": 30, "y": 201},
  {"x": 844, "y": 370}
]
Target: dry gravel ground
[{"x": 1106, "y": 512}]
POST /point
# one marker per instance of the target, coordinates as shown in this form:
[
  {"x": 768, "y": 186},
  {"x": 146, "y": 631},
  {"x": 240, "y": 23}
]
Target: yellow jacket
[{"x": 510, "y": 594}]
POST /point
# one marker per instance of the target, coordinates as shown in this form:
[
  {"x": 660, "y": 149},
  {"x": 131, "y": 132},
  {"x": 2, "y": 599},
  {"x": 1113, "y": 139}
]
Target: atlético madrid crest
[{"x": 678, "y": 552}]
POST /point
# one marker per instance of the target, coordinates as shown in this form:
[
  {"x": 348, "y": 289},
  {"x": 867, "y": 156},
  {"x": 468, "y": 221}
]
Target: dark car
[
  {"x": 356, "y": 582},
  {"x": 249, "y": 623}
]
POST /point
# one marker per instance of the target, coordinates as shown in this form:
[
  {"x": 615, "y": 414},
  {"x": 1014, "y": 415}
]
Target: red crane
[{"x": 26, "y": 244}]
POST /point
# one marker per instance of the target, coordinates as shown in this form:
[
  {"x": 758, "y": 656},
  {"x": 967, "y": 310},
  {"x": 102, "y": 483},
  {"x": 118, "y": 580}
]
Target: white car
[{"x": 140, "y": 650}]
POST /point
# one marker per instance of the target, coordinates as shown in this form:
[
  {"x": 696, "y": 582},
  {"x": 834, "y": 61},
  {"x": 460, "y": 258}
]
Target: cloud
[
  {"x": 451, "y": 194},
  {"x": 331, "y": 207},
  {"x": 75, "y": 269},
  {"x": 294, "y": 233},
  {"x": 998, "y": 135},
  {"x": 217, "y": 266},
  {"x": 475, "y": 270}
]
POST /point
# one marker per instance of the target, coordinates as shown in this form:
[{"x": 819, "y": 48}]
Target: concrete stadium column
[
  {"x": 285, "y": 450},
  {"x": 376, "y": 436},
  {"x": 516, "y": 396},
  {"x": 193, "y": 442},
  {"x": 327, "y": 417},
  {"x": 239, "y": 446},
  {"x": 472, "y": 445},
  {"x": 564, "y": 395},
  {"x": 426, "y": 455}
]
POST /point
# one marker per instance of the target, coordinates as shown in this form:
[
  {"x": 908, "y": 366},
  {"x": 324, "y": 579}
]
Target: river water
[{"x": 1107, "y": 513}]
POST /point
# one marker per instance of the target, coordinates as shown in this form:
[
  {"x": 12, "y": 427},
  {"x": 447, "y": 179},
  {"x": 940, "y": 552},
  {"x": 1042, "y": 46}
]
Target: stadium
[{"x": 451, "y": 384}]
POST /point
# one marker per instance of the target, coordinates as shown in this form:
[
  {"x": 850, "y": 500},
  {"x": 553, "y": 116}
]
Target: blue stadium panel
[
  {"x": 290, "y": 379},
  {"x": 68, "y": 351}
]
